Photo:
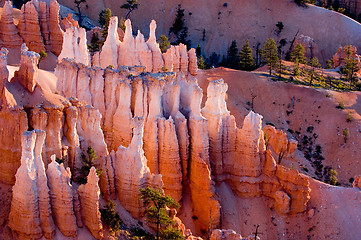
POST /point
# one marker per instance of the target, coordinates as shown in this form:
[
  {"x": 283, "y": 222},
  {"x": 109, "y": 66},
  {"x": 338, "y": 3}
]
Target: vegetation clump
[
  {"x": 156, "y": 213},
  {"x": 269, "y": 54},
  {"x": 246, "y": 58},
  {"x": 179, "y": 29},
  {"x": 163, "y": 43},
  {"x": 130, "y": 5},
  {"x": 111, "y": 217},
  {"x": 88, "y": 162}
]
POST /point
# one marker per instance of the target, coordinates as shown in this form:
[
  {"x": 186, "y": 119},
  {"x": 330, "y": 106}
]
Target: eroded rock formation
[
  {"x": 30, "y": 214},
  {"x": 89, "y": 198},
  {"x": 75, "y": 46},
  {"x": 28, "y": 70},
  {"x": 9, "y": 33},
  {"x": 344, "y": 53},
  {"x": 131, "y": 51},
  {"x": 278, "y": 142},
  {"x": 61, "y": 196},
  {"x": 132, "y": 173},
  {"x": 38, "y": 27}
]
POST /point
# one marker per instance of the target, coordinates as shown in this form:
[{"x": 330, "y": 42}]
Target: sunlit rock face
[
  {"x": 31, "y": 214},
  {"x": 38, "y": 27}
]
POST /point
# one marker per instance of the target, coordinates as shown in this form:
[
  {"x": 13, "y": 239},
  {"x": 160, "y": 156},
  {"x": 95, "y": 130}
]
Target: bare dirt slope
[
  {"x": 239, "y": 20},
  {"x": 301, "y": 110},
  {"x": 333, "y": 213}
]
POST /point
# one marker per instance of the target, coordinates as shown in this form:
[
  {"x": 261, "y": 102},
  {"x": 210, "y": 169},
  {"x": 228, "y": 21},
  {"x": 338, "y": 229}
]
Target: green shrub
[
  {"x": 346, "y": 134},
  {"x": 349, "y": 117},
  {"x": 341, "y": 105},
  {"x": 88, "y": 162},
  {"x": 111, "y": 217},
  {"x": 330, "y": 176}
]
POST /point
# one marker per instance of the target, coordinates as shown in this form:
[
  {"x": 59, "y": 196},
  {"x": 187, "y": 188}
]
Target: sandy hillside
[
  {"x": 239, "y": 20},
  {"x": 333, "y": 213},
  {"x": 298, "y": 109}
]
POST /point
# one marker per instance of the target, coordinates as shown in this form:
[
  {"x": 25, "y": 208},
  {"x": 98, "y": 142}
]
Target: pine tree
[
  {"x": 329, "y": 64},
  {"x": 95, "y": 43},
  {"x": 199, "y": 51},
  {"x": 298, "y": 53},
  {"x": 270, "y": 55},
  {"x": 314, "y": 64},
  {"x": 110, "y": 216},
  {"x": 246, "y": 58},
  {"x": 77, "y": 4},
  {"x": 351, "y": 66},
  {"x": 163, "y": 43},
  {"x": 156, "y": 213},
  {"x": 179, "y": 28},
  {"x": 131, "y": 5},
  {"x": 298, "y": 56},
  {"x": 233, "y": 56},
  {"x": 104, "y": 19},
  {"x": 201, "y": 63}
]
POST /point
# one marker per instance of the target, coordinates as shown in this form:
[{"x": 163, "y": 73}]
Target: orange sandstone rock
[
  {"x": 28, "y": 70},
  {"x": 61, "y": 196},
  {"x": 89, "y": 198},
  {"x": 9, "y": 33},
  {"x": 29, "y": 27},
  {"x": 30, "y": 214}
]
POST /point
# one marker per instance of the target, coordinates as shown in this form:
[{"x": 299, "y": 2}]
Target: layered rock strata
[
  {"x": 240, "y": 156},
  {"x": 89, "y": 198},
  {"x": 132, "y": 51},
  {"x": 29, "y": 27},
  {"x": 30, "y": 214},
  {"x": 38, "y": 27},
  {"x": 61, "y": 197},
  {"x": 9, "y": 33},
  {"x": 28, "y": 70},
  {"x": 132, "y": 173}
]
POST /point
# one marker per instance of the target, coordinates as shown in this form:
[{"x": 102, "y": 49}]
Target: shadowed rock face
[
  {"x": 89, "y": 199},
  {"x": 30, "y": 213},
  {"x": 38, "y": 27},
  {"x": 28, "y": 71}
]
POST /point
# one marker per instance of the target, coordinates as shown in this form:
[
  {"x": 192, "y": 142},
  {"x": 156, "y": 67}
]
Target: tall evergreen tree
[
  {"x": 77, "y": 4},
  {"x": 314, "y": 64},
  {"x": 246, "y": 58},
  {"x": 179, "y": 28},
  {"x": 233, "y": 56},
  {"x": 298, "y": 56},
  {"x": 131, "y": 5},
  {"x": 351, "y": 66},
  {"x": 199, "y": 51},
  {"x": 104, "y": 19},
  {"x": 270, "y": 55},
  {"x": 156, "y": 213}
]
